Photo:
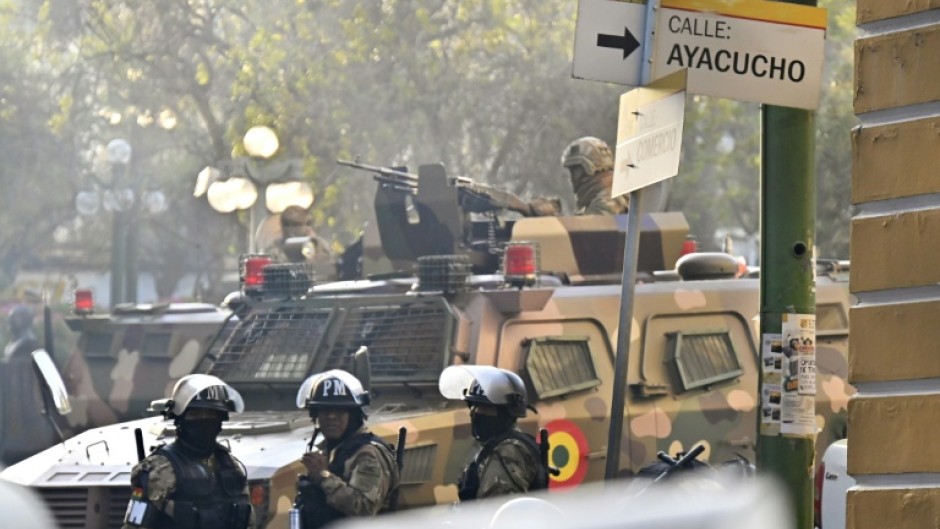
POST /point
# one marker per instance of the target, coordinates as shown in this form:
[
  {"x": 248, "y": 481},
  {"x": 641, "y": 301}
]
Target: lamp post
[
  {"x": 238, "y": 184},
  {"x": 118, "y": 195},
  {"x": 119, "y": 156}
]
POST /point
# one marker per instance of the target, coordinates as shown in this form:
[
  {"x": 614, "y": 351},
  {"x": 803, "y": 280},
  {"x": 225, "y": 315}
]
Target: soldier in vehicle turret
[
  {"x": 353, "y": 472},
  {"x": 193, "y": 482},
  {"x": 508, "y": 461},
  {"x": 295, "y": 224},
  {"x": 590, "y": 165}
]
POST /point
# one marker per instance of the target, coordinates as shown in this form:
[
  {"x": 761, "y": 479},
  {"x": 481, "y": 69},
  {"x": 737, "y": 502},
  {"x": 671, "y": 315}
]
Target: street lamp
[
  {"x": 236, "y": 186},
  {"x": 119, "y": 197}
]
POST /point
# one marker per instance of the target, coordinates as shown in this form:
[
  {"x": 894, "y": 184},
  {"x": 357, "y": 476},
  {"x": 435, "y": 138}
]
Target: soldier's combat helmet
[
  {"x": 332, "y": 389},
  {"x": 485, "y": 385},
  {"x": 202, "y": 391},
  {"x": 590, "y": 153}
]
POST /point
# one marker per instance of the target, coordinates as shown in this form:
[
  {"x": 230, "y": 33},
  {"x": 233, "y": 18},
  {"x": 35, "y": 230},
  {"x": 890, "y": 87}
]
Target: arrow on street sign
[
  {"x": 605, "y": 41},
  {"x": 627, "y": 42}
]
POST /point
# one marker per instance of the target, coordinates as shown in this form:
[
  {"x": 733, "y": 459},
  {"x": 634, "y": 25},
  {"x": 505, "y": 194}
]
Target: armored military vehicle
[
  {"x": 125, "y": 359},
  {"x": 459, "y": 283}
]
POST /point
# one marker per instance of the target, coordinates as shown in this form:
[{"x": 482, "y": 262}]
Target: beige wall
[{"x": 894, "y": 422}]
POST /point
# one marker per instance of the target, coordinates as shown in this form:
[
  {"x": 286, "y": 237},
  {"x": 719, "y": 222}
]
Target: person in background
[{"x": 23, "y": 431}]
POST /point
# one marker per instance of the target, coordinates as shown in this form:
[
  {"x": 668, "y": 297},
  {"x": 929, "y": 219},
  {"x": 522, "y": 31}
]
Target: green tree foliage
[{"x": 483, "y": 86}]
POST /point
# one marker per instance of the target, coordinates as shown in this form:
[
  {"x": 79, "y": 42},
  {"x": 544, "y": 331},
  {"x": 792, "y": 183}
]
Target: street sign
[
  {"x": 649, "y": 134},
  {"x": 750, "y": 50},
  {"x": 607, "y": 41}
]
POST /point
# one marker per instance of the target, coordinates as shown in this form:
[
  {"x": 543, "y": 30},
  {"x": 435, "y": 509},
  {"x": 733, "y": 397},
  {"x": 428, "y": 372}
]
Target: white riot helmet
[
  {"x": 202, "y": 391},
  {"x": 332, "y": 389},
  {"x": 486, "y": 385}
]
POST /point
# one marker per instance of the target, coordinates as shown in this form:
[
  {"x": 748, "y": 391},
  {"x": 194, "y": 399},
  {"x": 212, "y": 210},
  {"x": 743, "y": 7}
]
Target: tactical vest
[
  {"x": 315, "y": 511},
  {"x": 203, "y": 499},
  {"x": 469, "y": 485}
]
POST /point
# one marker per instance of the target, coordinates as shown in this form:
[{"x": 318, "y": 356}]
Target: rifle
[
  {"x": 544, "y": 450},
  {"x": 474, "y": 195},
  {"x": 400, "y": 461},
  {"x": 139, "y": 441}
]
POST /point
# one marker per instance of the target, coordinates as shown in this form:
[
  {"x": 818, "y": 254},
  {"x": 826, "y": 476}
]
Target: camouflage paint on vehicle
[
  {"x": 124, "y": 360},
  {"x": 558, "y": 335}
]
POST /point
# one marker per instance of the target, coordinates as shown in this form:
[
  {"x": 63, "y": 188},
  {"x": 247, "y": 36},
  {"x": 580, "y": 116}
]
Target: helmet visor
[{"x": 480, "y": 384}]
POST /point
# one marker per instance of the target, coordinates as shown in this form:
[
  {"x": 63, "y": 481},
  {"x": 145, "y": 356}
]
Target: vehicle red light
[
  {"x": 521, "y": 263},
  {"x": 688, "y": 246},
  {"x": 817, "y": 494},
  {"x": 254, "y": 266},
  {"x": 84, "y": 301}
]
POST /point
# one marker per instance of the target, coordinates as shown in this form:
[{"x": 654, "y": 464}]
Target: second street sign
[
  {"x": 750, "y": 50},
  {"x": 607, "y": 41}
]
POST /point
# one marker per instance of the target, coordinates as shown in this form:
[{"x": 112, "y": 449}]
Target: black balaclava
[
  {"x": 486, "y": 427},
  {"x": 199, "y": 435}
]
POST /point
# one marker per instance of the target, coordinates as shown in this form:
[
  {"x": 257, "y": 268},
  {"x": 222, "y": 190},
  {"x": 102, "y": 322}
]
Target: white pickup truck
[{"x": 832, "y": 484}]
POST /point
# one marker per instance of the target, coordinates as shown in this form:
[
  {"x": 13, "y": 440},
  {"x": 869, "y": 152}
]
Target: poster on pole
[{"x": 788, "y": 391}]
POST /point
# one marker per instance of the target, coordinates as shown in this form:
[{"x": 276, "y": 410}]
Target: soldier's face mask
[
  {"x": 200, "y": 432},
  {"x": 486, "y": 422},
  {"x": 578, "y": 175}
]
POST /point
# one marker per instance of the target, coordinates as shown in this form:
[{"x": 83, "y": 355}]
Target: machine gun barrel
[
  {"x": 484, "y": 196},
  {"x": 398, "y": 176}
]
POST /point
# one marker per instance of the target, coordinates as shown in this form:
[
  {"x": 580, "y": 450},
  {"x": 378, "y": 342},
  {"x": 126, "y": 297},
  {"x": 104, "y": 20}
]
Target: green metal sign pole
[{"x": 788, "y": 208}]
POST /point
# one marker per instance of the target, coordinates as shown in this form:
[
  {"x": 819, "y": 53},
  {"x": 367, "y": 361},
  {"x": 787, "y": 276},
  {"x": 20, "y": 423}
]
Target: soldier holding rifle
[{"x": 353, "y": 472}]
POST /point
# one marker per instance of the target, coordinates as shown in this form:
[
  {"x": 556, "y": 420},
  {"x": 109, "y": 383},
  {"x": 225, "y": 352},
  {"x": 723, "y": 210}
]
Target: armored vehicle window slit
[
  {"x": 702, "y": 359},
  {"x": 419, "y": 463},
  {"x": 558, "y": 366},
  {"x": 98, "y": 343},
  {"x": 156, "y": 344}
]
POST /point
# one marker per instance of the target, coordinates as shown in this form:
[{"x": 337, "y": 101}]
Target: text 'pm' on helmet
[{"x": 333, "y": 389}]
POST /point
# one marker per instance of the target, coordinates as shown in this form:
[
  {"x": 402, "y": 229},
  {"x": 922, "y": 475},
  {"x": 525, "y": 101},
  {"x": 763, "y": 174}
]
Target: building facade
[{"x": 895, "y": 326}]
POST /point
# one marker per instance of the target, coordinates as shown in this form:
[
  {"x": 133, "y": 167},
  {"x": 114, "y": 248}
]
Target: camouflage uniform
[
  {"x": 508, "y": 462},
  {"x": 367, "y": 481},
  {"x": 154, "y": 481},
  {"x": 507, "y": 465},
  {"x": 591, "y": 164},
  {"x": 194, "y": 482},
  {"x": 360, "y": 477},
  {"x": 294, "y": 222}
]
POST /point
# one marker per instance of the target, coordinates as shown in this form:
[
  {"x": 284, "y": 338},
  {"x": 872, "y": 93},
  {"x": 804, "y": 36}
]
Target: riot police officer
[
  {"x": 508, "y": 461},
  {"x": 353, "y": 472},
  {"x": 193, "y": 482},
  {"x": 590, "y": 165}
]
